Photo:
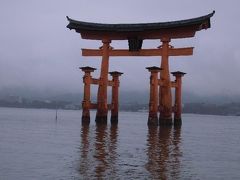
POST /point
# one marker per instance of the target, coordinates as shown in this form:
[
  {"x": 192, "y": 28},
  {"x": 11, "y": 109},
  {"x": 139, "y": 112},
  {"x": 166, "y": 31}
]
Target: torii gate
[{"x": 135, "y": 34}]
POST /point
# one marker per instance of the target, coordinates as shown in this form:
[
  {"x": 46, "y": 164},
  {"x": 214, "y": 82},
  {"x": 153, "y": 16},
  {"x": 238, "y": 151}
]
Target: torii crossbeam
[{"x": 143, "y": 52}]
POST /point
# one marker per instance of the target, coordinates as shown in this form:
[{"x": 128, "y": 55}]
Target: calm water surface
[{"x": 33, "y": 145}]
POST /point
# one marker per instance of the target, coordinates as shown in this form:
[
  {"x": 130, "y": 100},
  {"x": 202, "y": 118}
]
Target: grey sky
[{"x": 38, "y": 51}]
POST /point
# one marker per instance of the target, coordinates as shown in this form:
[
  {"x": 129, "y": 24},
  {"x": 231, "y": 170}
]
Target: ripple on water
[{"x": 33, "y": 145}]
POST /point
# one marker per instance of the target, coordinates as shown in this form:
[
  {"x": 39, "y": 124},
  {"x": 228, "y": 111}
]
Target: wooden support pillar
[
  {"x": 115, "y": 91},
  {"x": 165, "y": 96},
  {"x": 178, "y": 98},
  {"x": 153, "y": 100},
  {"x": 102, "y": 108},
  {"x": 87, "y": 94}
]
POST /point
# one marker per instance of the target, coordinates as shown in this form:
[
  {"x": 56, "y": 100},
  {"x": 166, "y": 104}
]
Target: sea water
[{"x": 36, "y": 145}]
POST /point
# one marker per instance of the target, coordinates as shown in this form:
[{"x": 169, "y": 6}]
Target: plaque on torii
[{"x": 135, "y": 34}]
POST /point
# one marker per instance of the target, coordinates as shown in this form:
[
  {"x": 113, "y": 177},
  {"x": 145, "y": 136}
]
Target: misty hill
[
  {"x": 129, "y": 101},
  {"x": 126, "y": 97}
]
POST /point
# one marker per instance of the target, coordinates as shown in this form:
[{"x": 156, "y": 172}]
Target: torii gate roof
[{"x": 173, "y": 29}]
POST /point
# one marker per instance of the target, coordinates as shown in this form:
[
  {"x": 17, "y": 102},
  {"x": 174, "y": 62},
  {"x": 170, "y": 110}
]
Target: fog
[{"x": 38, "y": 52}]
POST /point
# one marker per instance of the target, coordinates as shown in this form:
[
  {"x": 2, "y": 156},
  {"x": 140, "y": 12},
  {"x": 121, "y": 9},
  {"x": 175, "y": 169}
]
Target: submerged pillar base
[
  {"x": 114, "y": 119},
  {"x": 152, "y": 121},
  {"x": 165, "y": 121},
  {"x": 85, "y": 120},
  {"x": 177, "y": 121},
  {"x": 101, "y": 119}
]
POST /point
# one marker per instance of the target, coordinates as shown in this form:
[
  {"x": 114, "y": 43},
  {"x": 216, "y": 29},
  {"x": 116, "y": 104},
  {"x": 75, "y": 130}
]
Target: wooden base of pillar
[
  {"x": 114, "y": 119},
  {"x": 177, "y": 121},
  {"x": 85, "y": 115},
  {"x": 165, "y": 121},
  {"x": 101, "y": 119},
  {"x": 85, "y": 120},
  {"x": 152, "y": 121}
]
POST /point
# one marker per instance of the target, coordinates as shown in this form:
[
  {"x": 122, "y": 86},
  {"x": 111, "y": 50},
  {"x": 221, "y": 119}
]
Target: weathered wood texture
[
  {"x": 102, "y": 110},
  {"x": 165, "y": 96},
  {"x": 153, "y": 98},
  {"x": 188, "y": 51},
  {"x": 115, "y": 96}
]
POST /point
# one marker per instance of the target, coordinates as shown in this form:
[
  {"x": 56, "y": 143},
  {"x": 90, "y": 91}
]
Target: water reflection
[
  {"x": 163, "y": 152},
  {"x": 98, "y": 157},
  {"x": 176, "y": 153},
  {"x": 85, "y": 151},
  {"x": 113, "y": 149},
  {"x": 101, "y": 150}
]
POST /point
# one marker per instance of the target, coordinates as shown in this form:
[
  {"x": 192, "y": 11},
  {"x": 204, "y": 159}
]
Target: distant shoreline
[{"x": 138, "y": 111}]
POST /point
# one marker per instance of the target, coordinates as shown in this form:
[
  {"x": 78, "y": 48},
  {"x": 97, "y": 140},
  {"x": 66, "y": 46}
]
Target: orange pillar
[
  {"x": 115, "y": 89},
  {"x": 165, "y": 96},
  {"x": 153, "y": 100},
  {"x": 86, "y": 97},
  {"x": 102, "y": 109},
  {"x": 178, "y": 97}
]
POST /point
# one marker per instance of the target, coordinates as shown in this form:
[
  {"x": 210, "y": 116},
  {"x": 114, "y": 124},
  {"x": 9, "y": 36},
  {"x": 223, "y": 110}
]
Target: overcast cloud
[{"x": 38, "y": 51}]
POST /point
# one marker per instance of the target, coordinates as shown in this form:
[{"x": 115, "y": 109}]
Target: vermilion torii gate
[{"x": 135, "y": 34}]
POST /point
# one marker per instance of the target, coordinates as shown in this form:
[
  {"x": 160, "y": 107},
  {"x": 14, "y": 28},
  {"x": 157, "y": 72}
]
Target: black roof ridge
[{"x": 74, "y": 24}]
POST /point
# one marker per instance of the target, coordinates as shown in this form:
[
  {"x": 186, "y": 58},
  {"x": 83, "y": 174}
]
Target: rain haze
[{"x": 38, "y": 52}]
